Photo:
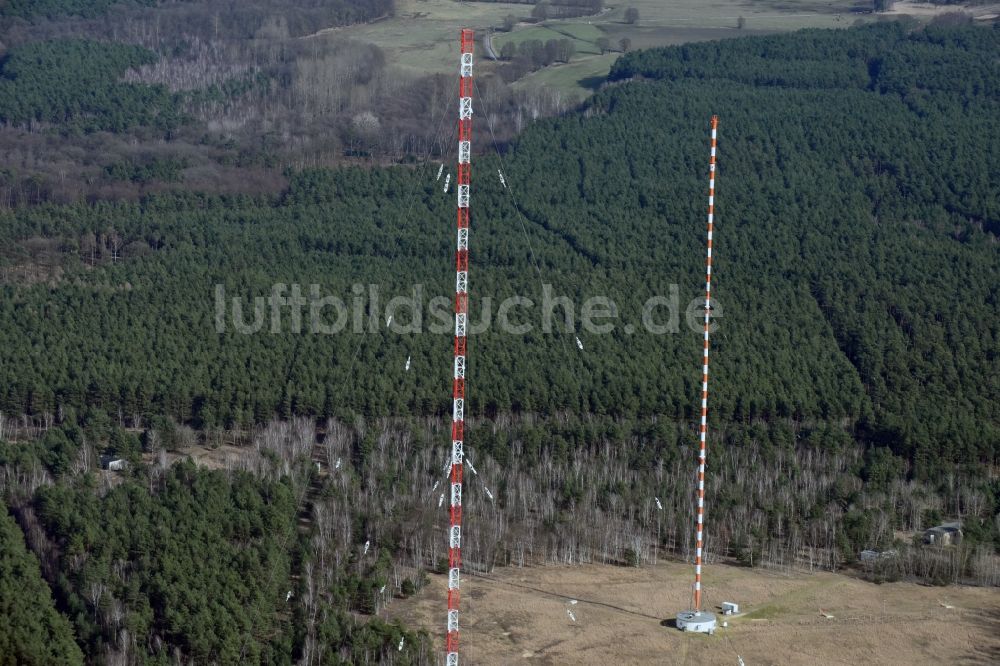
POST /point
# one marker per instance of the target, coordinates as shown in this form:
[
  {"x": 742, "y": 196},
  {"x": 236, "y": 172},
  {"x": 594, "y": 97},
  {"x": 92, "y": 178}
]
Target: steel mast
[
  {"x": 695, "y": 619},
  {"x": 461, "y": 318},
  {"x": 700, "y": 541}
]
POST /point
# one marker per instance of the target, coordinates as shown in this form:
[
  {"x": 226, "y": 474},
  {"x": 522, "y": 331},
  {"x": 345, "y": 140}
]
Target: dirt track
[{"x": 520, "y": 616}]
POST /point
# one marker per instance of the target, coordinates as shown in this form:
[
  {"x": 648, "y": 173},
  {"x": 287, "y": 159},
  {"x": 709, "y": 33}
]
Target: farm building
[{"x": 946, "y": 534}]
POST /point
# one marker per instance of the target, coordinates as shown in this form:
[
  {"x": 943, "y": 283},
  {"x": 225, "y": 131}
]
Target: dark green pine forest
[
  {"x": 856, "y": 270},
  {"x": 856, "y": 274},
  {"x": 31, "y": 630},
  {"x": 75, "y": 84}
]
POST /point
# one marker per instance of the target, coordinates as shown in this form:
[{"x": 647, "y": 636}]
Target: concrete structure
[
  {"x": 113, "y": 464},
  {"x": 729, "y": 607},
  {"x": 698, "y": 621},
  {"x": 945, "y": 534}
]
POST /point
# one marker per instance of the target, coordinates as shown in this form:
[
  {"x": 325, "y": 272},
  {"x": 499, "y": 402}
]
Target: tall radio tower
[
  {"x": 695, "y": 619},
  {"x": 461, "y": 316}
]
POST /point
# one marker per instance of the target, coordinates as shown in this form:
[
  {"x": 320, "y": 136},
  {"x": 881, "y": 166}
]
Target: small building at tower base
[{"x": 697, "y": 621}]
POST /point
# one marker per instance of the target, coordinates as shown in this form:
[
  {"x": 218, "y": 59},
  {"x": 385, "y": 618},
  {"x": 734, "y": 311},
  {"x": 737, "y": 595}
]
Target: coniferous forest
[{"x": 855, "y": 364}]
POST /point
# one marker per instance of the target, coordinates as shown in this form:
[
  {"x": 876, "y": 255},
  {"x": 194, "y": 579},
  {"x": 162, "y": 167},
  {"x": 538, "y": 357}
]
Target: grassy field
[
  {"x": 759, "y": 14},
  {"x": 422, "y": 36},
  {"x": 583, "y": 35},
  {"x": 580, "y": 77},
  {"x": 622, "y": 615},
  {"x": 664, "y": 23},
  {"x": 588, "y": 69}
]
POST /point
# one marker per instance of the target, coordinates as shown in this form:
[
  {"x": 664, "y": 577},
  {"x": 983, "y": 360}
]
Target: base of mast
[{"x": 700, "y": 622}]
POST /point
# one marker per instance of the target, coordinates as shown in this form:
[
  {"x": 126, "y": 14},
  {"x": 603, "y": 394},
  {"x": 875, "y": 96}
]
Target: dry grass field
[{"x": 522, "y": 616}]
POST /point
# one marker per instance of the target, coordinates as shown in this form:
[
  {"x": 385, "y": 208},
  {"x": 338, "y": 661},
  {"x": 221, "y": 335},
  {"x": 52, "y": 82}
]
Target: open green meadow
[
  {"x": 664, "y": 23},
  {"x": 583, "y": 35},
  {"x": 422, "y": 36},
  {"x": 759, "y": 14},
  {"x": 580, "y": 77}
]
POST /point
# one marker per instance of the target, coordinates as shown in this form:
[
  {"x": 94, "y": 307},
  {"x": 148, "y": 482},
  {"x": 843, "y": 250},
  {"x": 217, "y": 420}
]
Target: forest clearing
[{"x": 522, "y": 615}]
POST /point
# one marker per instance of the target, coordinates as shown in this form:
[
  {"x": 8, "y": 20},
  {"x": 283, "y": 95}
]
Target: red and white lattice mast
[
  {"x": 695, "y": 619},
  {"x": 461, "y": 317}
]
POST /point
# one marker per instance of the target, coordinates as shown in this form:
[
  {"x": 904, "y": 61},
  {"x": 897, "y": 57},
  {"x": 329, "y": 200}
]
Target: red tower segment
[
  {"x": 699, "y": 534},
  {"x": 461, "y": 320}
]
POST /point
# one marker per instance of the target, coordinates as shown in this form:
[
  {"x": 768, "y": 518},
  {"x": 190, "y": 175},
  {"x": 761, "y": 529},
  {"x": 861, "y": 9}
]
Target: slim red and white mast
[
  {"x": 699, "y": 534},
  {"x": 461, "y": 317}
]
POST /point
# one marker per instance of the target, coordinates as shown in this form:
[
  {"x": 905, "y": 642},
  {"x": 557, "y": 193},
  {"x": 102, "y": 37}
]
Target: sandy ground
[{"x": 520, "y": 616}]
